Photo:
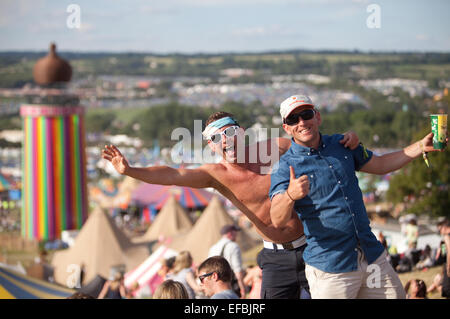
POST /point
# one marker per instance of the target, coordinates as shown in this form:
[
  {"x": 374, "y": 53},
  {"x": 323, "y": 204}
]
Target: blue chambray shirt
[{"x": 333, "y": 213}]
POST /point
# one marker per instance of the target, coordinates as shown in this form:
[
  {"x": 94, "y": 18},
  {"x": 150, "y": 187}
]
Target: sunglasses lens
[
  {"x": 292, "y": 119},
  {"x": 305, "y": 115},
  {"x": 230, "y": 132},
  {"x": 216, "y": 138},
  {"x": 202, "y": 277}
]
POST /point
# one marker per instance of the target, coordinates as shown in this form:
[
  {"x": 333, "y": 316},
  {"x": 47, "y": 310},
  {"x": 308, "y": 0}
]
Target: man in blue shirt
[{"x": 316, "y": 179}]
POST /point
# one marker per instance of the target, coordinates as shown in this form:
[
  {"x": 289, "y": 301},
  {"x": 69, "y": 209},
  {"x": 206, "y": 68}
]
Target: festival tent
[
  {"x": 206, "y": 232},
  {"x": 146, "y": 274},
  {"x": 108, "y": 196},
  {"x": 157, "y": 195},
  {"x": 170, "y": 221},
  {"x": 94, "y": 287},
  {"x": 99, "y": 246},
  {"x": 14, "y": 285}
]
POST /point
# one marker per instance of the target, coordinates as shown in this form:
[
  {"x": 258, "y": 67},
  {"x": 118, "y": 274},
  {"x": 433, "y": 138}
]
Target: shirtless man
[{"x": 247, "y": 188}]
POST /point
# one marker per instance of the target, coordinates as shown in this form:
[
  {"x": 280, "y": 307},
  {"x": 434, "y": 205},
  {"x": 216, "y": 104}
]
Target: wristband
[{"x": 289, "y": 195}]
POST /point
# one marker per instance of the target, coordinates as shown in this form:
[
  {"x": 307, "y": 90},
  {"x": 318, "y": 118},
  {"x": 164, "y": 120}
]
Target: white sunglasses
[{"x": 228, "y": 132}]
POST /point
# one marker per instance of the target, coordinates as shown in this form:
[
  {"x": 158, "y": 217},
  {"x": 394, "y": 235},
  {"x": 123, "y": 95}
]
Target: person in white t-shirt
[{"x": 230, "y": 250}]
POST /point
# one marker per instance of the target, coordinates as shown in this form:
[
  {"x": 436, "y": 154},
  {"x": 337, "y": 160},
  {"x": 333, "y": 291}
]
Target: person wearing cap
[
  {"x": 246, "y": 185},
  {"x": 316, "y": 179},
  {"x": 230, "y": 250}
]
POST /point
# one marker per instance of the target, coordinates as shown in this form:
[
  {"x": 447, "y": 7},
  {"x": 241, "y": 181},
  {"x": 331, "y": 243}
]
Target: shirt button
[
  {"x": 339, "y": 182},
  {"x": 309, "y": 153},
  {"x": 312, "y": 176},
  {"x": 345, "y": 157},
  {"x": 356, "y": 249},
  {"x": 331, "y": 166},
  {"x": 346, "y": 198}
]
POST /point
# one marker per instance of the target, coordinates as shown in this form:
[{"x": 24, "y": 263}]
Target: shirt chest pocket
[
  {"x": 342, "y": 168},
  {"x": 321, "y": 183}
]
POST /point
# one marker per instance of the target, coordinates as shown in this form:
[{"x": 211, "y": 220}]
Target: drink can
[{"x": 439, "y": 129}]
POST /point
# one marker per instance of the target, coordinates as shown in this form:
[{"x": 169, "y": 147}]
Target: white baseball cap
[{"x": 293, "y": 102}]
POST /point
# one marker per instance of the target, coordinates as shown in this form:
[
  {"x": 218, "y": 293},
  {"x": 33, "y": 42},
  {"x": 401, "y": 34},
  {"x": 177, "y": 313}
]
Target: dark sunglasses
[
  {"x": 294, "y": 118},
  {"x": 201, "y": 277},
  {"x": 228, "y": 132}
]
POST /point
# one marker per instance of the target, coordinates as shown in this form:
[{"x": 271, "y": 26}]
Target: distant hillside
[{"x": 16, "y": 67}]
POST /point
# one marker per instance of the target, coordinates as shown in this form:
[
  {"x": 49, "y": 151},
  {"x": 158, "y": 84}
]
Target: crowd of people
[
  {"x": 216, "y": 277},
  {"x": 414, "y": 259},
  {"x": 305, "y": 202}
]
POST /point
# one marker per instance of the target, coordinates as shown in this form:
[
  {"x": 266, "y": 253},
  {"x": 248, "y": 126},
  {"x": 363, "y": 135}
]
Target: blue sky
[{"x": 217, "y": 26}]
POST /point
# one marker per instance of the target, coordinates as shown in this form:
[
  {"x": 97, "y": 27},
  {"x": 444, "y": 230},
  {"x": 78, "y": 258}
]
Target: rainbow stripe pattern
[{"x": 54, "y": 184}]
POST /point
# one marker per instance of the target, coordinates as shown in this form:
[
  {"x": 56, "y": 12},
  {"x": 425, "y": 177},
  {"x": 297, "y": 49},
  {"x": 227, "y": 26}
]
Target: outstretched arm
[
  {"x": 393, "y": 161},
  {"x": 163, "y": 175}
]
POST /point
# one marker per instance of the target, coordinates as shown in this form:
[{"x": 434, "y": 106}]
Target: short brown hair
[
  {"x": 219, "y": 265},
  {"x": 218, "y": 115}
]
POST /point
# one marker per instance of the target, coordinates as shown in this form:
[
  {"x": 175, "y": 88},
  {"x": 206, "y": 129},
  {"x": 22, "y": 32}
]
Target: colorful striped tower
[{"x": 54, "y": 185}]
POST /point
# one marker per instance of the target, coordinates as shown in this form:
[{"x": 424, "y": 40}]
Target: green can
[{"x": 439, "y": 129}]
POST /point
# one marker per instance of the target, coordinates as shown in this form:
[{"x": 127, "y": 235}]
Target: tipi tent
[
  {"x": 99, "y": 246},
  {"x": 206, "y": 232},
  {"x": 94, "y": 287},
  {"x": 170, "y": 221}
]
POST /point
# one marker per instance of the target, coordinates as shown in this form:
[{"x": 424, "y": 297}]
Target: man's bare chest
[{"x": 247, "y": 187}]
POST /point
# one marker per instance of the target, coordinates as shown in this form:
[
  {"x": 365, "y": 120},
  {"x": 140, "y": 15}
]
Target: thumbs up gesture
[{"x": 298, "y": 187}]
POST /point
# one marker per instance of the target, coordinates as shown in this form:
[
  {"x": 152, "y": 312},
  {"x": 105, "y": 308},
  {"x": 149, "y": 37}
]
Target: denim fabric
[{"x": 333, "y": 213}]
